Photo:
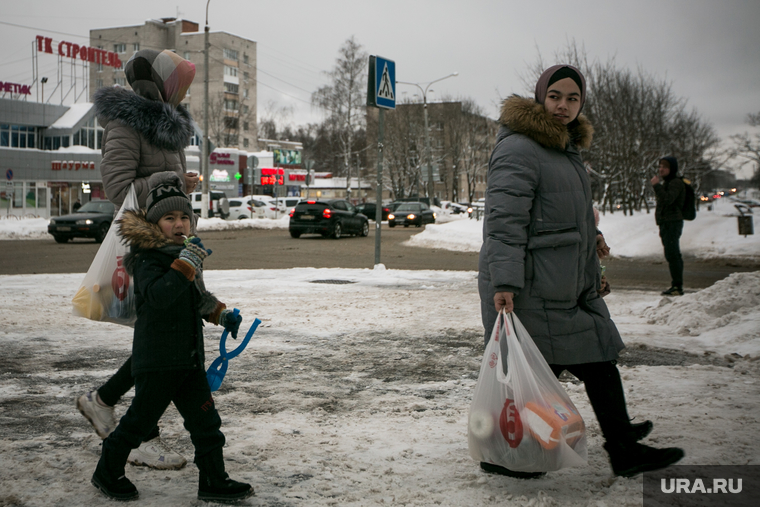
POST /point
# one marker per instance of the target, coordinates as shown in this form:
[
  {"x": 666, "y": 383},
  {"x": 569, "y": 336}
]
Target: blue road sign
[
  {"x": 9, "y": 174},
  {"x": 384, "y": 89}
]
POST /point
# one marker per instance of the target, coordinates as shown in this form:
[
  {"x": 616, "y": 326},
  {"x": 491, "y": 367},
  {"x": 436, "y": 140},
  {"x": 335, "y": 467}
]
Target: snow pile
[
  {"x": 724, "y": 314},
  {"x": 712, "y": 234},
  {"x": 217, "y": 224},
  {"x": 25, "y": 228},
  {"x": 459, "y": 235}
]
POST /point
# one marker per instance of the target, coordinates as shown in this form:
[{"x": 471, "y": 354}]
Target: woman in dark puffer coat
[{"x": 539, "y": 258}]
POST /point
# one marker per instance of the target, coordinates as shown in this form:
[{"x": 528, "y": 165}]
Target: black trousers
[
  {"x": 670, "y": 233},
  {"x": 605, "y": 392},
  {"x": 190, "y": 393},
  {"x": 117, "y": 386}
]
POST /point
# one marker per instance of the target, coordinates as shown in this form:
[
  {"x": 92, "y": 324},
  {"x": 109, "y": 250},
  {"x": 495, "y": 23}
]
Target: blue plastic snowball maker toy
[{"x": 218, "y": 368}]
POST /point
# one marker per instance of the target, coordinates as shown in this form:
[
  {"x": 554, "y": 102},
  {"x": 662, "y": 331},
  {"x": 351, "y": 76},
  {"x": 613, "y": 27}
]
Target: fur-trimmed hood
[
  {"x": 528, "y": 117},
  {"x": 161, "y": 124},
  {"x": 140, "y": 234}
]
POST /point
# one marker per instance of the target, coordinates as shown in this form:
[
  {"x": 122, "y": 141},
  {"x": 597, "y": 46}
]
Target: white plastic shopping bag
[
  {"x": 107, "y": 291},
  {"x": 523, "y": 420}
]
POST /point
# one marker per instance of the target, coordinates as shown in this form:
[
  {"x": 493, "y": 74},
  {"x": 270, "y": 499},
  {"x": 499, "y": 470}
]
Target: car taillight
[
  {"x": 327, "y": 213},
  {"x": 386, "y": 209},
  {"x": 311, "y": 202},
  {"x": 292, "y": 212},
  {"x": 250, "y": 209}
]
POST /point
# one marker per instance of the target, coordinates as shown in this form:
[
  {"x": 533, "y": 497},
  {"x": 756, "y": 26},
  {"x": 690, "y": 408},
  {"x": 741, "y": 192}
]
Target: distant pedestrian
[
  {"x": 670, "y": 192},
  {"x": 167, "y": 350},
  {"x": 77, "y": 205},
  {"x": 540, "y": 258}
]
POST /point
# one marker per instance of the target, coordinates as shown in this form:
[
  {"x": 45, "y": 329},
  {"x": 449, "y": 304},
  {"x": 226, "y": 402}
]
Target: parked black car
[
  {"x": 92, "y": 220},
  {"x": 411, "y": 213},
  {"x": 330, "y": 218},
  {"x": 369, "y": 209}
]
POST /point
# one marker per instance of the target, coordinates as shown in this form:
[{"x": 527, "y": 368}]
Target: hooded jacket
[
  {"x": 141, "y": 137},
  {"x": 670, "y": 195},
  {"x": 539, "y": 237},
  {"x": 170, "y": 300}
]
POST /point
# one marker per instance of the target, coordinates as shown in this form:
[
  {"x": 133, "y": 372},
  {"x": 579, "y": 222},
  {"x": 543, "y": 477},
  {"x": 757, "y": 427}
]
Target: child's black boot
[
  {"x": 113, "y": 484},
  {"x": 214, "y": 484}
]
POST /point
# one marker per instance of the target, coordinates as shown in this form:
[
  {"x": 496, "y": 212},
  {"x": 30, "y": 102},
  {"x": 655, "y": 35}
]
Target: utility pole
[
  {"x": 204, "y": 152},
  {"x": 428, "y": 157}
]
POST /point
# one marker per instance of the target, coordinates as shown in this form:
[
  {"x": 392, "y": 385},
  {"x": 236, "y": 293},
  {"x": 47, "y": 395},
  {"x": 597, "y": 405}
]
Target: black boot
[
  {"x": 118, "y": 488},
  {"x": 214, "y": 484},
  {"x": 496, "y": 469},
  {"x": 639, "y": 431},
  {"x": 630, "y": 459}
]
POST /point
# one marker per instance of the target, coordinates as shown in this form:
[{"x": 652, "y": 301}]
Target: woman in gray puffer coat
[
  {"x": 539, "y": 258},
  {"x": 146, "y": 132}
]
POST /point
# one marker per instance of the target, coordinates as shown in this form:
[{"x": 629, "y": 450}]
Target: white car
[
  {"x": 285, "y": 204},
  {"x": 218, "y": 207},
  {"x": 247, "y": 207}
]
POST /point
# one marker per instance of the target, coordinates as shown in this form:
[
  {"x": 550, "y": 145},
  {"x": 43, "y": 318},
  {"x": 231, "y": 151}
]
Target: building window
[
  {"x": 98, "y": 83},
  {"x": 231, "y": 122},
  {"x": 245, "y": 93},
  {"x": 119, "y": 48},
  {"x": 230, "y": 71},
  {"x": 231, "y": 88},
  {"x": 135, "y": 47},
  {"x": 89, "y": 135},
  {"x": 17, "y": 136},
  {"x": 121, "y": 81},
  {"x": 245, "y": 59},
  {"x": 186, "y": 55},
  {"x": 245, "y": 126},
  {"x": 230, "y": 54},
  {"x": 245, "y": 76},
  {"x": 245, "y": 143},
  {"x": 439, "y": 125},
  {"x": 230, "y": 105}
]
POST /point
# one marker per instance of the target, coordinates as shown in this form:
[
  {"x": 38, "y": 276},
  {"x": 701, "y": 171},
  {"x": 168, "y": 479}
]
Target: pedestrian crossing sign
[{"x": 381, "y": 89}]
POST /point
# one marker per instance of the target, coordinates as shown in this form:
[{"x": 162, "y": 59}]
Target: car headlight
[
  {"x": 391, "y": 216},
  {"x": 469, "y": 210},
  {"x": 84, "y": 222},
  {"x": 435, "y": 216},
  {"x": 52, "y": 221},
  {"x": 410, "y": 216}
]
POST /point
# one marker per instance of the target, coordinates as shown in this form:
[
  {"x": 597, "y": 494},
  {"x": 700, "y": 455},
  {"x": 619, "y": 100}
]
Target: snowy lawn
[{"x": 358, "y": 393}]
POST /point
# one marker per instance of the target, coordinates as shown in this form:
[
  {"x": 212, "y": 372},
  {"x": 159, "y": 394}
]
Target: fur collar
[
  {"x": 528, "y": 117},
  {"x": 161, "y": 124}
]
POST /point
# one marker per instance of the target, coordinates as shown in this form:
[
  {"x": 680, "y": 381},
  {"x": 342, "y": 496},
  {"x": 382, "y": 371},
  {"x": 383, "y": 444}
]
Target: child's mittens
[
  {"x": 230, "y": 321},
  {"x": 194, "y": 252}
]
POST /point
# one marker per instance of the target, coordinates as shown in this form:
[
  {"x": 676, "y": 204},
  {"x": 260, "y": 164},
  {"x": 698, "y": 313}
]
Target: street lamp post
[
  {"x": 204, "y": 151},
  {"x": 430, "y": 185}
]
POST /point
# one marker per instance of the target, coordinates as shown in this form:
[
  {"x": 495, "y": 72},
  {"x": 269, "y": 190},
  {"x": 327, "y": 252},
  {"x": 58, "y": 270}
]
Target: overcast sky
[{"x": 708, "y": 50}]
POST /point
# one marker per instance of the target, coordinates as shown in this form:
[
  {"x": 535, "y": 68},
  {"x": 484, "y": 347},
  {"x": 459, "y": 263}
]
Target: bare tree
[
  {"x": 228, "y": 118},
  {"x": 344, "y": 98},
  {"x": 747, "y": 147}
]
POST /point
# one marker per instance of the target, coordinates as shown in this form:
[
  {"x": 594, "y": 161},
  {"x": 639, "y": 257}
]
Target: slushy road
[{"x": 275, "y": 249}]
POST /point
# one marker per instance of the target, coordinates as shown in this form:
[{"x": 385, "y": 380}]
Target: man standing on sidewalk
[{"x": 670, "y": 193}]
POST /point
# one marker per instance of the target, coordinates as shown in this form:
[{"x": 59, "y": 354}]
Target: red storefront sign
[
  {"x": 71, "y": 50},
  {"x": 220, "y": 158},
  {"x": 15, "y": 88},
  {"x": 58, "y": 165}
]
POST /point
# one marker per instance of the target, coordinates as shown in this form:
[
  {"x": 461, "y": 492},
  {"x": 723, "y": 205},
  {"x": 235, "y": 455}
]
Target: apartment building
[{"x": 232, "y": 73}]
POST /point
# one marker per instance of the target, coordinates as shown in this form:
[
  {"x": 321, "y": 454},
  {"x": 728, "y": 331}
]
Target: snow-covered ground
[{"x": 358, "y": 393}]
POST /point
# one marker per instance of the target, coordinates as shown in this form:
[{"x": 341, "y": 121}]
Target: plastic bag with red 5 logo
[
  {"x": 522, "y": 420},
  {"x": 107, "y": 292}
]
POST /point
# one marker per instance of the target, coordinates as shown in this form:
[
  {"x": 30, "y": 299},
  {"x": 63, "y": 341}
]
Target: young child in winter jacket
[{"x": 167, "y": 351}]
